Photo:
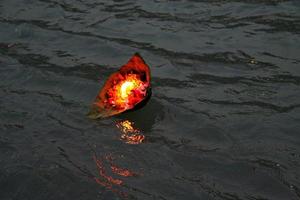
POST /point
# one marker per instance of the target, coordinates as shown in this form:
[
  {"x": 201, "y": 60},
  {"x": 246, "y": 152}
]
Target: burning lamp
[{"x": 127, "y": 89}]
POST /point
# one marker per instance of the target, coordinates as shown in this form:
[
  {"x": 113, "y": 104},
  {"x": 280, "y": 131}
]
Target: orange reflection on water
[
  {"x": 118, "y": 170},
  {"x": 130, "y": 134},
  {"x": 121, "y": 171},
  {"x": 108, "y": 181},
  {"x": 105, "y": 180}
]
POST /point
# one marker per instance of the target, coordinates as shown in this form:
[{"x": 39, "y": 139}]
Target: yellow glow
[
  {"x": 130, "y": 134},
  {"x": 126, "y": 127},
  {"x": 127, "y": 92},
  {"x": 126, "y": 88}
]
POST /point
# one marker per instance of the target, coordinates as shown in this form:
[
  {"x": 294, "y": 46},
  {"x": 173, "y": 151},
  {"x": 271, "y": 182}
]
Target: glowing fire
[
  {"x": 126, "y": 93},
  {"x": 126, "y": 89},
  {"x": 130, "y": 86},
  {"x": 130, "y": 134}
]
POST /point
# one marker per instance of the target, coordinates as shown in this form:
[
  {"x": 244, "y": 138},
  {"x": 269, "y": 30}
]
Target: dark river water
[{"x": 223, "y": 121}]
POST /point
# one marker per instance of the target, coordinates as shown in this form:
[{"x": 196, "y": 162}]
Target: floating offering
[{"x": 127, "y": 89}]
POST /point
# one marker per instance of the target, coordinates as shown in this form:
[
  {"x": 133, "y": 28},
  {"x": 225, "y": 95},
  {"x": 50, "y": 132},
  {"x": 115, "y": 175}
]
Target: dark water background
[{"x": 223, "y": 121}]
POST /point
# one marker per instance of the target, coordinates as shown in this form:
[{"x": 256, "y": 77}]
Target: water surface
[{"x": 223, "y": 121}]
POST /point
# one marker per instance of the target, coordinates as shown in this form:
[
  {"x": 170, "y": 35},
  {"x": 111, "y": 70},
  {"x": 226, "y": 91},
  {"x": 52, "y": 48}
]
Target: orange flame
[
  {"x": 126, "y": 93},
  {"x": 124, "y": 90}
]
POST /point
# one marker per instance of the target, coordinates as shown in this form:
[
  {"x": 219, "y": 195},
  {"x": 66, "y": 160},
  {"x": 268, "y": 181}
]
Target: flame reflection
[
  {"x": 112, "y": 176},
  {"x": 108, "y": 181},
  {"x": 130, "y": 135}
]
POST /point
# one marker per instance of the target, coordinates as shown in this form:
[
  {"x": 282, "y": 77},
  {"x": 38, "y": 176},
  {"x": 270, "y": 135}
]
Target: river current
[{"x": 223, "y": 121}]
